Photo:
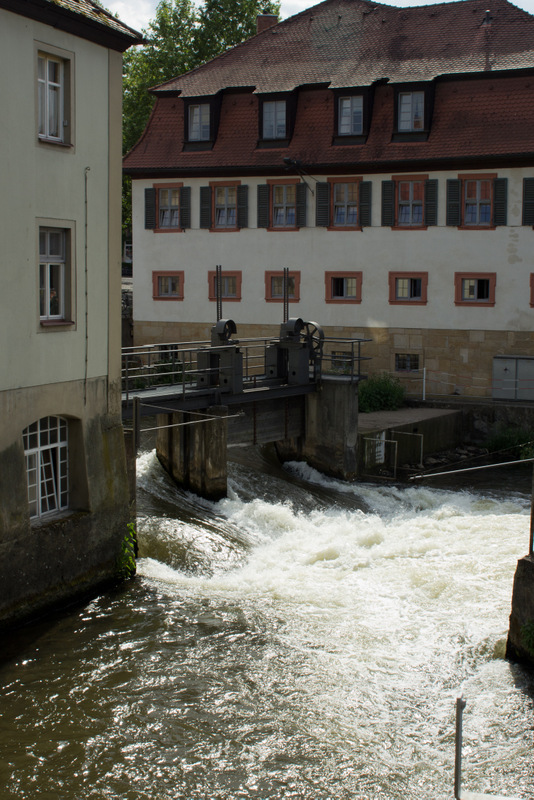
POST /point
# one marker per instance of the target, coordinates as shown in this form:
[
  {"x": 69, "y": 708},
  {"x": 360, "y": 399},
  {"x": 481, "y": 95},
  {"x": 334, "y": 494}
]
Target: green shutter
[
  {"x": 185, "y": 207},
  {"x": 242, "y": 206},
  {"x": 150, "y": 208},
  {"x": 431, "y": 202},
  {"x": 301, "y": 205},
  {"x": 205, "y": 207},
  {"x": 453, "y": 202},
  {"x": 322, "y": 205},
  {"x": 365, "y": 203},
  {"x": 528, "y": 201},
  {"x": 500, "y": 198},
  {"x": 263, "y": 205},
  {"x": 388, "y": 203}
]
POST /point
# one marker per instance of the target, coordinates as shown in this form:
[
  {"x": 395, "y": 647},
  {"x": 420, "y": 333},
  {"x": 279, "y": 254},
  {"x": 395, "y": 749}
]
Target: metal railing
[{"x": 176, "y": 364}]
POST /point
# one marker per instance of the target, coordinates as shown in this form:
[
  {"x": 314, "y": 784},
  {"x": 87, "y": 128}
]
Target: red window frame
[
  {"x": 157, "y": 187},
  {"x": 398, "y": 179},
  {"x": 168, "y": 274},
  {"x": 295, "y": 274},
  {"x": 214, "y": 185},
  {"x": 237, "y": 274},
  {"x": 329, "y": 298},
  {"x": 459, "y": 277},
  {"x": 333, "y": 182},
  {"x": 490, "y": 176},
  {"x": 272, "y": 182},
  {"x": 420, "y": 301}
]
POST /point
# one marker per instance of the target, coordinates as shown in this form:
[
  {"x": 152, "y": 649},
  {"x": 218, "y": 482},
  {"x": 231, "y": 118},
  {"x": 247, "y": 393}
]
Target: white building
[
  {"x": 63, "y": 489},
  {"x": 386, "y": 157}
]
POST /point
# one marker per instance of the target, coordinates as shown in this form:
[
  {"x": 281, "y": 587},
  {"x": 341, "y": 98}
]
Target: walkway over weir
[
  {"x": 186, "y": 376},
  {"x": 208, "y": 396}
]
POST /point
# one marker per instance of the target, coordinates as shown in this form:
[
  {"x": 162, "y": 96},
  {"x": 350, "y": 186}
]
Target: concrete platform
[{"x": 384, "y": 420}]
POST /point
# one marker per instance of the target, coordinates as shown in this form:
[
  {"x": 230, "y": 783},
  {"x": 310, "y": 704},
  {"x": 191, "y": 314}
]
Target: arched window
[{"x": 46, "y": 452}]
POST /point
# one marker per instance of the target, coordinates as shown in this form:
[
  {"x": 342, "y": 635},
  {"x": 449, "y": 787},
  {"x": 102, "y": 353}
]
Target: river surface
[{"x": 304, "y": 638}]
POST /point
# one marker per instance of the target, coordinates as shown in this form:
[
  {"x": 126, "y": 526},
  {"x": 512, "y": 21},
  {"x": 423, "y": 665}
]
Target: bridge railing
[{"x": 177, "y": 363}]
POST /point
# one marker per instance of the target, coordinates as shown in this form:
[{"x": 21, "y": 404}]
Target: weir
[{"x": 298, "y": 391}]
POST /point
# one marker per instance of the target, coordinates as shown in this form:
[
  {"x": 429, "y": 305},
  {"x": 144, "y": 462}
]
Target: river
[{"x": 304, "y": 638}]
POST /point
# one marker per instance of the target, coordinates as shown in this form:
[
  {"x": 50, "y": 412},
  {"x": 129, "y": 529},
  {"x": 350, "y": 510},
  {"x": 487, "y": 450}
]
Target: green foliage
[
  {"x": 126, "y": 560},
  {"x": 527, "y": 636},
  {"x": 520, "y": 440},
  {"x": 380, "y": 393},
  {"x": 180, "y": 38}
]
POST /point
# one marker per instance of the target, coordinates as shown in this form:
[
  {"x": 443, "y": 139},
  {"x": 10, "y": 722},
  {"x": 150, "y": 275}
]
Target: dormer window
[
  {"x": 411, "y": 111},
  {"x": 199, "y": 122},
  {"x": 274, "y": 119},
  {"x": 350, "y": 115}
]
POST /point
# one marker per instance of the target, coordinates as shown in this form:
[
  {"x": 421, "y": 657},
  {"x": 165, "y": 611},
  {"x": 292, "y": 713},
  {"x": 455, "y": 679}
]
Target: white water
[{"x": 374, "y": 610}]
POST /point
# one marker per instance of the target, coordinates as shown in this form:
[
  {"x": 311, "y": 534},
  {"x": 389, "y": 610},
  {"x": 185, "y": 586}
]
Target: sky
[{"x": 138, "y": 13}]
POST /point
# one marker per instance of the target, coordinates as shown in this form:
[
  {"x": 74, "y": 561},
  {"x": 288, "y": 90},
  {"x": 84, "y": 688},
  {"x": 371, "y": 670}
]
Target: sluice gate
[{"x": 299, "y": 391}]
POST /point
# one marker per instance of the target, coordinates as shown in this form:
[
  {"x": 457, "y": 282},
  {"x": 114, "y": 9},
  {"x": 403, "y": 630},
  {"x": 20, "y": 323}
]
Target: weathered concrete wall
[
  {"x": 193, "y": 451},
  {"x": 48, "y": 561},
  {"x": 329, "y": 443},
  {"x": 520, "y": 645}
]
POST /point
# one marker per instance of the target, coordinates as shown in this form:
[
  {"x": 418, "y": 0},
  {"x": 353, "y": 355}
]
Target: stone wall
[{"x": 458, "y": 363}]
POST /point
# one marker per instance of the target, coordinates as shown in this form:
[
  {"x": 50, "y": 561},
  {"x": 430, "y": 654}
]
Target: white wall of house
[
  {"x": 48, "y": 184},
  {"x": 441, "y": 251}
]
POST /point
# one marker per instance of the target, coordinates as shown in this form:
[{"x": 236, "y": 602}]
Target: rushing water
[{"x": 304, "y": 638}]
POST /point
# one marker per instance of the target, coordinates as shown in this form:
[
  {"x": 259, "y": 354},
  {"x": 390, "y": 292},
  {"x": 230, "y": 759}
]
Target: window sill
[
  {"x": 168, "y": 230},
  {"x": 476, "y": 227},
  {"x": 225, "y": 299},
  {"x": 57, "y": 323},
  {"x": 281, "y": 299},
  {"x": 224, "y": 230},
  {"x": 407, "y": 302},
  {"x": 409, "y": 228},
  {"x": 344, "y": 228},
  {"x": 475, "y": 303},
  {"x": 167, "y": 298},
  {"x": 343, "y": 300},
  {"x": 278, "y": 230},
  {"x": 55, "y": 142}
]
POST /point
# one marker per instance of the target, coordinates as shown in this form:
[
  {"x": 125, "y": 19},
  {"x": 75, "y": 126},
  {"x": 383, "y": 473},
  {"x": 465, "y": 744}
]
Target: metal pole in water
[{"x": 460, "y": 705}]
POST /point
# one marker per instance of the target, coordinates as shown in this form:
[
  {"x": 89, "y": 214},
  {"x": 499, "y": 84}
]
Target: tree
[{"x": 180, "y": 38}]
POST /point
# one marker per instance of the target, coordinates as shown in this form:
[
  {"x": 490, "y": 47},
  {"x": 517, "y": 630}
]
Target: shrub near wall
[{"x": 380, "y": 393}]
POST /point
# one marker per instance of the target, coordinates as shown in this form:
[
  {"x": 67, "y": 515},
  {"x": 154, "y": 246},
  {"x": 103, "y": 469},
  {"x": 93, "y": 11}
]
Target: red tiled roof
[
  {"x": 472, "y": 119},
  {"x": 344, "y": 43}
]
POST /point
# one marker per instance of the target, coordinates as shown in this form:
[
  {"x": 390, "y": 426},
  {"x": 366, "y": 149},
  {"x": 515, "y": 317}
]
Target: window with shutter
[
  {"x": 528, "y": 201},
  {"x": 343, "y": 204},
  {"x": 409, "y": 201},
  {"x": 168, "y": 207},
  {"x": 477, "y": 202},
  {"x": 282, "y": 204}
]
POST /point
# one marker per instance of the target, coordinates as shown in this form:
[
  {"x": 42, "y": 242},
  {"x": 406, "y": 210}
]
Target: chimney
[{"x": 264, "y": 21}]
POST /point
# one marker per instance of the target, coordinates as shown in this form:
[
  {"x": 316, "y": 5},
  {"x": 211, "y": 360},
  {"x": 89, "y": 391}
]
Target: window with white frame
[
  {"x": 51, "y": 97},
  {"x": 52, "y": 273},
  {"x": 225, "y": 201},
  {"x": 411, "y": 115},
  {"x": 46, "y": 453},
  {"x": 274, "y": 119},
  {"x": 350, "y": 115},
  {"x": 199, "y": 122}
]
